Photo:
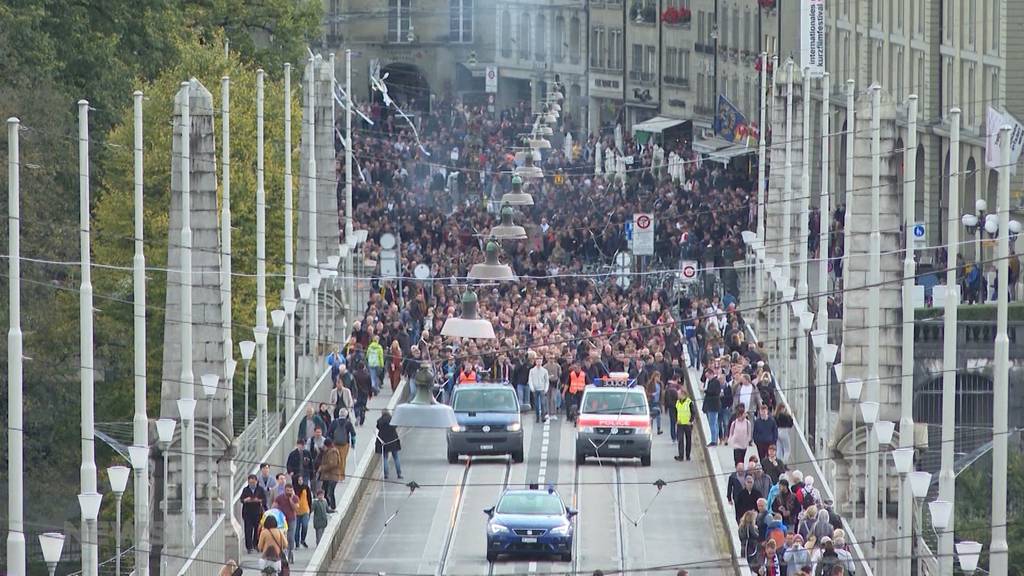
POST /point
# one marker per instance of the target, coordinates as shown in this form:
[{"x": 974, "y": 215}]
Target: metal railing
[{"x": 207, "y": 558}]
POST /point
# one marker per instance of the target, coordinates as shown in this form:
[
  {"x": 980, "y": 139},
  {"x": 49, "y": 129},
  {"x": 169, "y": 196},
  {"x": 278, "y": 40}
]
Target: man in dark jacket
[
  {"x": 253, "y": 501},
  {"x": 712, "y": 404},
  {"x": 735, "y": 482},
  {"x": 300, "y": 462},
  {"x": 785, "y": 504},
  {"x": 766, "y": 432},
  {"x": 747, "y": 498},
  {"x": 363, "y": 384}
]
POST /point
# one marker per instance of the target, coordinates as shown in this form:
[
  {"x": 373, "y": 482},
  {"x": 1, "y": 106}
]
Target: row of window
[
  {"x": 530, "y": 37},
  {"x": 961, "y": 19},
  {"x": 400, "y": 26}
]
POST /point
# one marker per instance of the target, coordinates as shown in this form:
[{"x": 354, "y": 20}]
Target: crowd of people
[{"x": 565, "y": 321}]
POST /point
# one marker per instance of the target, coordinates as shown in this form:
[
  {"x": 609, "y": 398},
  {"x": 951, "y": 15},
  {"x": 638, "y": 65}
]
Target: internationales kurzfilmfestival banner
[{"x": 812, "y": 37}]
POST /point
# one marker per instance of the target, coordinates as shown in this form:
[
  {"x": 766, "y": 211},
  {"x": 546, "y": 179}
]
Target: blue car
[
  {"x": 488, "y": 422},
  {"x": 530, "y": 522}
]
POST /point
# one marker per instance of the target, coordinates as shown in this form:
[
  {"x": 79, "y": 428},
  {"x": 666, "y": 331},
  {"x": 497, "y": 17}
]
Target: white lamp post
[
  {"x": 999, "y": 549},
  {"x": 165, "y": 435},
  {"x": 90, "y": 560},
  {"x": 311, "y": 187},
  {"x": 248, "y": 349},
  {"x": 315, "y": 280},
  {"x": 16, "y": 555},
  {"x": 209, "y": 391},
  {"x": 140, "y": 427},
  {"x": 289, "y": 256},
  {"x": 305, "y": 289},
  {"x": 800, "y": 382},
  {"x": 187, "y": 412},
  {"x": 90, "y": 502},
  {"x": 883, "y": 430},
  {"x": 52, "y": 544},
  {"x": 787, "y": 232},
  {"x": 941, "y": 511},
  {"x": 968, "y": 551},
  {"x": 139, "y": 458},
  {"x": 854, "y": 387},
  {"x": 260, "y": 331},
  {"x": 118, "y": 476},
  {"x": 277, "y": 318}
]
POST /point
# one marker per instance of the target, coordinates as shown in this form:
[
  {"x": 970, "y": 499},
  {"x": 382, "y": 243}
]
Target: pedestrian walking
[
  {"x": 343, "y": 435},
  {"x": 254, "y": 501},
  {"x": 319, "y": 515},
  {"x": 387, "y": 443},
  {"x": 302, "y": 511},
  {"x": 784, "y": 422},
  {"x": 538, "y": 380},
  {"x": 273, "y": 546},
  {"x": 740, "y": 434},
  {"x": 288, "y": 503},
  {"x": 712, "y": 406},
  {"x": 766, "y": 432},
  {"x": 375, "y": 363},
  {"x": 686, "y": 415},
  {"x": 331, "y": 472}
]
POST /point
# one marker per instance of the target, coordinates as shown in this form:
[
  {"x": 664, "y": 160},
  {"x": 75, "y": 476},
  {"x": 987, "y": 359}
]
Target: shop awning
[
  {"x": 657, "y": 125},
  {"x": 724, "y": 155}
]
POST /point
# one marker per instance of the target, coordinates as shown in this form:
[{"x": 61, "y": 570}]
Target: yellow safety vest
[{"x": 683, "y": 411}]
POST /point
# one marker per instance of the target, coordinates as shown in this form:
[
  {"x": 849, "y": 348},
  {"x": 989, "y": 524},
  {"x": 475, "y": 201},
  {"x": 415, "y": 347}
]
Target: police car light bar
[{"x": 615, "y": 380}]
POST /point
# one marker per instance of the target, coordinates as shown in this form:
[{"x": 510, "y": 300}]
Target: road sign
[
  {"x": 421, "y": 272},
  {"x": 387, "y": 241},
  {"x": 629, "y": 232},
  {"x": 491, "y": 79},
  {"x": 688, "y": 271},
  {"x": 917, "y": 234},
  {"x": 388, "y": 264},
  {"x": 643, "y": 234}
]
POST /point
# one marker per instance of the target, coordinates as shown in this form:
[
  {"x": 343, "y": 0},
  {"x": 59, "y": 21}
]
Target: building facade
[
  {"x": 537, "y": 41},
  {"x": 429, "y": 48},
  {"x": 951, "y": 53}
]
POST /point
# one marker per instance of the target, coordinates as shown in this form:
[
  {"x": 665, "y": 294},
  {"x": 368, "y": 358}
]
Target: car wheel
[
  {"x": 453, "y": 457},
  {"x": 567, "y": 557},
  {"x": 492, "y": 556},
  {"x": 581, "y": 458},
  {"x": 517, "y": 456},
  {"x": 645, "y": 460}
]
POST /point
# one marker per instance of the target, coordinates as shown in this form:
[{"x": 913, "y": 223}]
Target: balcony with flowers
[{"x": 673, "y": 16}]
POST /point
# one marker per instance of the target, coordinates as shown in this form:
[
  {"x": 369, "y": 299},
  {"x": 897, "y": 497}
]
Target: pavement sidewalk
[{"x": 365, "y": 436}]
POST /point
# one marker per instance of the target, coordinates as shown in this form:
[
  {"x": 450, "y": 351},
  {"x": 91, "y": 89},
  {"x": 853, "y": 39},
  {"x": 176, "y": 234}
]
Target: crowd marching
[{"x": 564, "y": 322}]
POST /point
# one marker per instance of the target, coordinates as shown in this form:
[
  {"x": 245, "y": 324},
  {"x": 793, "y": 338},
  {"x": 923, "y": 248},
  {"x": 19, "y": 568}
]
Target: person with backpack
[
  {"x": 375, "y": 363},
  {"x": 686, "y": 415}
]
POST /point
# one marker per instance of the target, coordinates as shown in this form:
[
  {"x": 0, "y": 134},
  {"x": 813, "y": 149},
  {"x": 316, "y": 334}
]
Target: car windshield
[
  {"x": 486, "y": 400},
  {"x": 542, "y": 503},
  {"x": 628, "y": 402}
]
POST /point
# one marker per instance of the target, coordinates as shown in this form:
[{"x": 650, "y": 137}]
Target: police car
[
  {"x": 614, "y": 420},
  {"x": 530, "y": 522}
]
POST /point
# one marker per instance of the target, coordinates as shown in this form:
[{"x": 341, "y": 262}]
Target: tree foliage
[
  {"x": 974, "y": 508},
  {"x": 114, "y": 210}
]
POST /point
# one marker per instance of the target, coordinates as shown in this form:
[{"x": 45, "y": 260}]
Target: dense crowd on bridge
[{"x": 564, "y": 318}]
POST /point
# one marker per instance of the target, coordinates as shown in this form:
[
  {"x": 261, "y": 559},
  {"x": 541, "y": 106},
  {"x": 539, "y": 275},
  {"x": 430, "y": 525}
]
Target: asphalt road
[{"x": 625, "y": 523}]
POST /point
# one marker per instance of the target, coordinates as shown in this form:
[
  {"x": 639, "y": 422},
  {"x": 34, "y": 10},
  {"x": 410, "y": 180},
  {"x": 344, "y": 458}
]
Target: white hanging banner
[
  {"x": 491, "y": 79},
  {"x": 812, "y": 37},
  {"x": 994, "y": 121}
]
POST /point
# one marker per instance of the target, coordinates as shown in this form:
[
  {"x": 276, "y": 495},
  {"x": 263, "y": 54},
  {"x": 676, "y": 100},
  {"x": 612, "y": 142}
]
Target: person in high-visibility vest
[
  {"x": 467, "y": 374},
  {"x": 686, "y": 415},
  {"x": 577, "y": 381}
]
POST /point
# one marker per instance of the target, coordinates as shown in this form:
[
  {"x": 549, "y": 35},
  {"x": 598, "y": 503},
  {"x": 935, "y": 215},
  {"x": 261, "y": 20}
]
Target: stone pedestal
[{"x": 207, "y": 333}]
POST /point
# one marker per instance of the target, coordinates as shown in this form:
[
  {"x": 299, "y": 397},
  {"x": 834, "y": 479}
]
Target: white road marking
[{"x": 542, "y": 473}]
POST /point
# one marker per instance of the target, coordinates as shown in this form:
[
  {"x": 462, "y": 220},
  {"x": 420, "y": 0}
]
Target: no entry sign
[{"x": 688, "y": 271}]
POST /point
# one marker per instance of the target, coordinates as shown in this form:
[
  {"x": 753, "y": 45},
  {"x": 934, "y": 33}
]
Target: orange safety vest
[
  {"x": 577, "y": 380},
  {"x": 467, "y": 376}
]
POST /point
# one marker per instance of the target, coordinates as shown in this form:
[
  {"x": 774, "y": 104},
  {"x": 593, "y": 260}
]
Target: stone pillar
[
  {"x": 856, "y": 298},
  {"x": 327, "y": 225},
  {"x": 207, "y": 350}
]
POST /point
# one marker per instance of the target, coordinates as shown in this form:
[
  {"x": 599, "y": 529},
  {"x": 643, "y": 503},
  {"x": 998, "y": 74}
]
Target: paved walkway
[{"x": 365, "y": 436}]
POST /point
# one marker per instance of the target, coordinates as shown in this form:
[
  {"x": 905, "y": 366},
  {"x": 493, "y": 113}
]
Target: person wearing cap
[{"x": 796, "y": 554}]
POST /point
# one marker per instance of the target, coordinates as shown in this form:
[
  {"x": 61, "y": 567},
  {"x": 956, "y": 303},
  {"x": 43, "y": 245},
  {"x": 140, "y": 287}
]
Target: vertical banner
[
  {"x": 995, "y": 120},
  {"x": 491, "y": 79},
  {"x": 812, "y": 37}
]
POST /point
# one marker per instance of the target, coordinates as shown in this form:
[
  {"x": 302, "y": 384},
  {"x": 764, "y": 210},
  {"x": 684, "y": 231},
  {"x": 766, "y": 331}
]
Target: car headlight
[
  {"x": 457, "y": 428},
  {"x": 561, "y": 530},
  {"x": 514, "y": 427},
  {"x": 645, "y": 431},
  {"x": 586, "y": 429},
  {"x": 496, "y": 528}
]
